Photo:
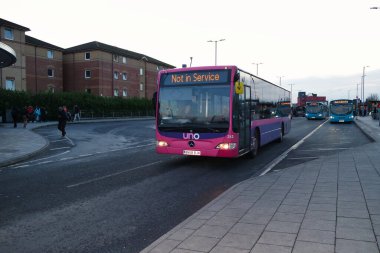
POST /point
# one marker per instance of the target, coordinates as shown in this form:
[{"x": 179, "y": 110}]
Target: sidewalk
[{"x": 326, "y": 205}]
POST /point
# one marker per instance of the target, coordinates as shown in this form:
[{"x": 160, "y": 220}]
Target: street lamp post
[
  {"x": 257, "y": 67},
  {"x": 291, "y": 93},
  {"x": 363, "y": 77},
  {"x": 280, "y": 78},
  {"x": 216, "y": 47}
]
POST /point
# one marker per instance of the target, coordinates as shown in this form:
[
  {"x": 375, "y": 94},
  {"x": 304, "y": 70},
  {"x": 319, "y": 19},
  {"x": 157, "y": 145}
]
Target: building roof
[
  {"x": 39, "y": 43},
  {"x": 7, "y": 55},
  {"x": 7, "y": 23},
  {"x": 95, "y": 45}
]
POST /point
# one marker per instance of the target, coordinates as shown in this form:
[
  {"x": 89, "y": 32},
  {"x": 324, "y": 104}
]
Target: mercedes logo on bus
[{"x": 191, "y": 144}]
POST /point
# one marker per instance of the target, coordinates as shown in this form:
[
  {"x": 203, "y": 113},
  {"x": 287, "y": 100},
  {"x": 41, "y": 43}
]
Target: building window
[
  {"x": 124, "y": 60},
  {"x": 116, "y": 75},
  {"x": 50, "y": 72},
  {"x": 87, "y": 56},
  {"x": 125, "y": 93},
  {"x": 141, "y": 87},
  {"x": 125, "y": 76},
  {"x": 50, "y": 54},
  {"x": 116, "y": 92},
  {"x": 115, "y": 58},
  {"x": 87, "y": 73},
  {"x": 141, "y": 71},
  {"x": 10, "y": 84},
  {"x": 87, "y": 91},
  {"x": 8, "y": 33}
]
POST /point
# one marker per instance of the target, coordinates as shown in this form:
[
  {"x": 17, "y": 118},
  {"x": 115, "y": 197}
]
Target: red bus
[{"x": 219, "y": 111}]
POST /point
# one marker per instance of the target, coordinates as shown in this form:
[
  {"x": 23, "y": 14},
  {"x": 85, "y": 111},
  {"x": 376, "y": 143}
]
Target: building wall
[
  {"x": 18, "y": 70},
  {"x": 38, "y": 63},
  {"x": 30, "y": 72},
  {"x": 103, "y": 66}
]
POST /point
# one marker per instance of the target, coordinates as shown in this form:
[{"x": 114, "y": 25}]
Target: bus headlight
[
  {"x": 351, "y": 116},
  {"x": 162, "y": 144},
  {"x": 331, "y": 117},
  {"x": 320, "y": 115},
  {"x": 306, "y": 114},
  {"x": 226, "y": 146}
]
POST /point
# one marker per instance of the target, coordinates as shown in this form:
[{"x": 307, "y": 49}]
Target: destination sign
[
  {"x": 341, "y": 101},
  {"x": 196, "y": 77},
  {"x": 285, "y": 103}
]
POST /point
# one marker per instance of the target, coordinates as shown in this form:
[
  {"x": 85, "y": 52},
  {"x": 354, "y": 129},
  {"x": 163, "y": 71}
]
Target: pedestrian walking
[
  {"x": 25, "y": 116},
  {"x": 62, "y": 120},
  {"x": 76, "y": 113},
  {"x": 15, "y": 115},
  {"x": 37, "y": 113}
]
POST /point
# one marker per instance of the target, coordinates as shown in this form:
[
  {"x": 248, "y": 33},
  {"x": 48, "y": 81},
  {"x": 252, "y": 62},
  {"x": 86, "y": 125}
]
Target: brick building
[
  {"x": 13, "y": 35},
  {"x": 44, "y": 70},
  {"x": 94, "y": 67},
  {"x": 106, "y": 70}
]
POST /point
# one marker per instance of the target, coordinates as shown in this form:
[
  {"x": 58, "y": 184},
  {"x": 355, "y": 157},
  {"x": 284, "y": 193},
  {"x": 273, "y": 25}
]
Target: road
[{"x": 104, "y": 189}]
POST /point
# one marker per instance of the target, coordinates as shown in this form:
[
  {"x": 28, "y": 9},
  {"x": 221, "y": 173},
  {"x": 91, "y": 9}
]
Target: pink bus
[{"x": 218, "y": 111}]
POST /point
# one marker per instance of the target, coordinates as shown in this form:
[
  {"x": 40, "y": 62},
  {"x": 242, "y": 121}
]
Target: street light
[
  {"x": 257, "y": 67},
  {"x": 280, "y": 78},
  {"x": 216, "y": 47},
  {"x": 291, "y": 93},
  {"x": 363, "y": 77}
]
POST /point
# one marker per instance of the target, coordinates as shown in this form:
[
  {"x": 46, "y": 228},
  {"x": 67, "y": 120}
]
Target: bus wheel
[
  {"x": 281, "y": 138},
  {"x": 256, "y": 145}
]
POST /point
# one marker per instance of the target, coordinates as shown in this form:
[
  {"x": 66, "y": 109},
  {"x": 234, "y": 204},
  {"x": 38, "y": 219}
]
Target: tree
[{"x": 373, "y": 97}]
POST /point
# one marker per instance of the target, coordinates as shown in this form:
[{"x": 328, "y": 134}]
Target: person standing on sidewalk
[
  {"x": 76, "y": 113},
  {"x": 62, "y": 120},
  {"x": 15, "y": 115}
]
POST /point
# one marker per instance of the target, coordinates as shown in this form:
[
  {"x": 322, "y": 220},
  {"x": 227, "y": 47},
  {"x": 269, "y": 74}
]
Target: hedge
[{"x": 90, "y": 103}]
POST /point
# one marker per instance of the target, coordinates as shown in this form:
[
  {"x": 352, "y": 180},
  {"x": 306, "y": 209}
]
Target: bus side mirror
[{"x": 237, "y": 77}]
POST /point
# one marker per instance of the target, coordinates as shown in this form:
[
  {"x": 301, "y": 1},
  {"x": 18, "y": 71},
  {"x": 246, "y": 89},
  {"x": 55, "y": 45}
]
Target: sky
[{"x": 319, "y": 46}]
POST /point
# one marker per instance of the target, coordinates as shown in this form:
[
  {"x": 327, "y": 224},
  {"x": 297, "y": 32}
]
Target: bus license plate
[
  {"x": 341, "y": 120},
  {"x": 192, "y": 152}
]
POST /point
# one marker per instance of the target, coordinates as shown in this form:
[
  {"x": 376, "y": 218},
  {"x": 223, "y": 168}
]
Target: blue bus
[
  {"x": 316, "y": 110},
  {"x": 341, "y": 111}
]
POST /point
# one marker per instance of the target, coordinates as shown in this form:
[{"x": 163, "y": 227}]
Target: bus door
[{"x": 245, "y": 119}]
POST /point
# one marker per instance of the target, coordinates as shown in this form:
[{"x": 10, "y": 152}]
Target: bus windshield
[
  {"x": 341, "y": 109},
  {"x": 202, "y": 108},
  {"x": 313, "y": 108}
]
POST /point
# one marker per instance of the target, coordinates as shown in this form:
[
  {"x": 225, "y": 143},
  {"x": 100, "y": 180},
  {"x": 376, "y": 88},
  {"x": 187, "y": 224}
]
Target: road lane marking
[
  {"x": 44, "y": 162},
  {"x": 322, "y": 149},
  {"x": 71, "y": 142},
  {"x": 19, "y": 164},
  {"x": 302, "y": 158},
  {"x": 111, "y": 175},
  {"x": 285, "y": 154},
  {"x": 59, "y": 148}
]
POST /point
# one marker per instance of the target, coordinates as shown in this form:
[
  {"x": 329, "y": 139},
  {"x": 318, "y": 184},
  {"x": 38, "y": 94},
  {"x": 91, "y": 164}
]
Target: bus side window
[
  {"x": 255, "y": 111},
  {"x": 265, "y": 112}
]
